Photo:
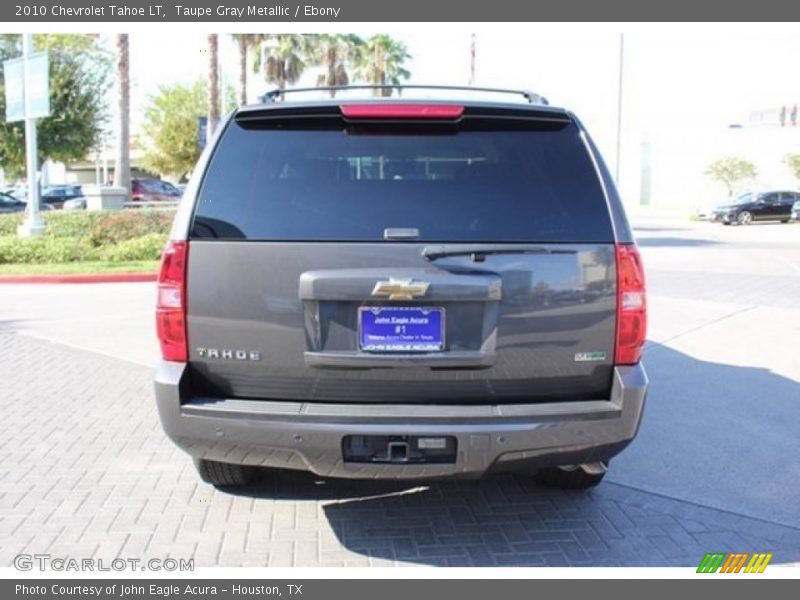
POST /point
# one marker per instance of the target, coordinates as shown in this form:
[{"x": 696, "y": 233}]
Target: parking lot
[{"x": 86, "y": 470}]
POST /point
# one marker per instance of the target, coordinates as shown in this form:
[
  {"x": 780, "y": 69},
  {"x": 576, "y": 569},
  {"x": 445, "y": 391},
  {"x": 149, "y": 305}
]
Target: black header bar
[
  {"x": 254, "y": 11},
  {"x": 733, "y": 587}
]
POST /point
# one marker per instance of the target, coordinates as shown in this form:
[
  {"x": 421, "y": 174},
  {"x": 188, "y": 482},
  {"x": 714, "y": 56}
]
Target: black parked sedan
[
  {"x": 56, "y": 195},
  {"x": 756, "y": 206},
  {"x": 10, "y": 204}
]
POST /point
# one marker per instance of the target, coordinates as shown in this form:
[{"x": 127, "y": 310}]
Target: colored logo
[{"x": 735, "y": 562}]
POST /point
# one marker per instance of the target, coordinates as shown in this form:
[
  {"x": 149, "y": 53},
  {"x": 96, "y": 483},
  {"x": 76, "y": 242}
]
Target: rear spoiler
[{"x": 401, "y": 110}]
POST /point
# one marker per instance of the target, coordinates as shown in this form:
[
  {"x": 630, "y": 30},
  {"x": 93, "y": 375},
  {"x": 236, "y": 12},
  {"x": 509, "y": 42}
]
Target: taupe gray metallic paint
[
  {"x": 302, "y": 428},
  {"x": 308, "y": 436}
]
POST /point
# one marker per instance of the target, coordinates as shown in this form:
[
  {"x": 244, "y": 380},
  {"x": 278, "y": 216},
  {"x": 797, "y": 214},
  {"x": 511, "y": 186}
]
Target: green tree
[
  {"x": 213, "y": 83},
  {"x": 379, "y": 61},
  {"x": 244, "y": 42},
  {"x": 731, "y": 171},
  {"x": 170, "y": 129},
  {"x": 793, "y": 162},
  {"x": 228, "y": 98},
  {"x": 122, "y": 164},
  {"x": 286, "y": 55},
  {"x": 335, "y": 52},
  {"x": 80, "y": 76}
]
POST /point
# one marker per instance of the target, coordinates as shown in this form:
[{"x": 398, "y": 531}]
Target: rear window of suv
[{"x": 276, "y": 181}]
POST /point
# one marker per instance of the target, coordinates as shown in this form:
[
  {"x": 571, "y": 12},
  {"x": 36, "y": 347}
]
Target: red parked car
[{"x": 153, "y": 190}]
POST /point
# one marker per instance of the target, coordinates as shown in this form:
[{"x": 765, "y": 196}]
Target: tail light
[
  {"x": 401, "y": 111},
  {"x": 631, "y": 306},
  {"x": 171, "y": 302}
]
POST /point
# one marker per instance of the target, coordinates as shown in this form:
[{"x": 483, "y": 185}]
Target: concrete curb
[{"x": 80, "y": 278}]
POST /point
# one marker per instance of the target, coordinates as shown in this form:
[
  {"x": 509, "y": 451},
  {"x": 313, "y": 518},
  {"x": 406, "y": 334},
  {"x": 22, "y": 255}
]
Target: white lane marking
[
  {"x": 784, "y": 261},
  {"x": 654, "y": 346},
  {"x": 62, "y": 342},
  {"x": 35, "y": 319}
]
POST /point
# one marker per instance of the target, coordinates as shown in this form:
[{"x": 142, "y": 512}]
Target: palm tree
[
  {"x": 380, "y": 62},
  {"x": 285, "y": 55},
  {"x": 335, "y": 52},
  {"x": 244, "y": 42},
  {"x": 122, "y": 166},
  {"x": 213, "y": 85}
]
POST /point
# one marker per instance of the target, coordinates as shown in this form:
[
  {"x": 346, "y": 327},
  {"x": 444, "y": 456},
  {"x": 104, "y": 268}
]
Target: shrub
[
  {"x": 114, "y": 228},
  {"x": 146, "y": 247},
  {"x": 44, "y": 250},
  {"x": 8, "y": 223},
  {"x": 86, "y": 236},
  {"x": 101, "y": 227},
  {"x": 73, "y": 224}
]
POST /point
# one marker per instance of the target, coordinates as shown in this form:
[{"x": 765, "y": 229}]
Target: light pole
[
  {"x": 472, "y": 60},
  {"x": 33, "y": 225},
  {"x": 223, "y": 96},
  {"x": 619, "y": 105},
  {"x": 105, "y": 158}
]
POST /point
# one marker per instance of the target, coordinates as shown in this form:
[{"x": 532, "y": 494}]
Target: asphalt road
[{"x": 722, "y": 424}]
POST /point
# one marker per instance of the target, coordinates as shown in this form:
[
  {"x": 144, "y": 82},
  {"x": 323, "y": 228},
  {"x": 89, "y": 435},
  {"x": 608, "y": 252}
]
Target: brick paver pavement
[{"x": 85, "y": 471}]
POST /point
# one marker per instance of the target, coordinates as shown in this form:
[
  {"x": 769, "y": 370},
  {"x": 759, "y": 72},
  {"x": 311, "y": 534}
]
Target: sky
[{"x": 683, "y": 85}]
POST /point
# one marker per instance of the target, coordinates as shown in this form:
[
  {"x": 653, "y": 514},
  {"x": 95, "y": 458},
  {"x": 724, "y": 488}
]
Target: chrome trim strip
[{"x": 406, "y": 413}]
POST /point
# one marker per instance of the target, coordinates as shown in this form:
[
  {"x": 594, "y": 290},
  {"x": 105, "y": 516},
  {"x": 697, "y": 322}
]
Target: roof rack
[{"x": 531, "y": 97}]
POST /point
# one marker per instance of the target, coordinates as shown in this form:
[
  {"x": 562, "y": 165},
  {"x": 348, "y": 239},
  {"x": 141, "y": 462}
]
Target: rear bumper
[{"x": 308, "y": 436}]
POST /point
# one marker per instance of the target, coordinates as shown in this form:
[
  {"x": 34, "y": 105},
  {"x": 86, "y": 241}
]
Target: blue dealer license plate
[{"x": 401, "y": 329}]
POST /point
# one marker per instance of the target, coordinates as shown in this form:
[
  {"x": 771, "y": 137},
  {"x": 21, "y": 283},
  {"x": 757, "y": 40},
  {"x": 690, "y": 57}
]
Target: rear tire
[
  {"x": 573, "y": 477},
  {"x": 224, "y": 474},
  {"x": 784, "y": 220}
]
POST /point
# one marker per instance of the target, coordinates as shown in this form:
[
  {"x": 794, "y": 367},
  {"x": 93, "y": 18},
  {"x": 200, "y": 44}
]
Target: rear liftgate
[{"x": 395, "y": 297}]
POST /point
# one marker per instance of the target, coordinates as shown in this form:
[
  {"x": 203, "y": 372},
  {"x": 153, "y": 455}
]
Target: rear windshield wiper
[{"x": 479, "y": 253}]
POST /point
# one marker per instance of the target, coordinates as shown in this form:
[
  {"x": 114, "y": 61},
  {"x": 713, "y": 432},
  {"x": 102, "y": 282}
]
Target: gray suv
[{"x": 392, "y": 288}]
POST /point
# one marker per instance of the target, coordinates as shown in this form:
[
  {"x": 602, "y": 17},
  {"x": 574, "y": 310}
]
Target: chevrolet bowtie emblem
[{"x": 400, "y": 289}]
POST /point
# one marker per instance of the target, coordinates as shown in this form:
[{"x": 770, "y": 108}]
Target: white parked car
[{"x": 75, "y": 204}]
